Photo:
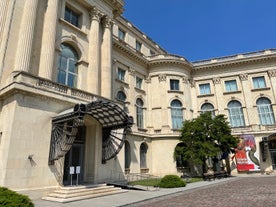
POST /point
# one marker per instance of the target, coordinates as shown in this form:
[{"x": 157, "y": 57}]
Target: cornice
[
  {"x": 168, "y": 59},
  {"x": 130, "y": 51},
  {"x": 235, "y": 60}
]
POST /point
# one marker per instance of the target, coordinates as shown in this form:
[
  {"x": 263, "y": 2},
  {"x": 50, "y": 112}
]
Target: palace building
[{"x": 85, "y": 93}]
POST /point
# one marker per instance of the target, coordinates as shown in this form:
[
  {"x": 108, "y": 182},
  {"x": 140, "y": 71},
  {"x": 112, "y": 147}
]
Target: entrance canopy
[{"x": 115, "y": 123}]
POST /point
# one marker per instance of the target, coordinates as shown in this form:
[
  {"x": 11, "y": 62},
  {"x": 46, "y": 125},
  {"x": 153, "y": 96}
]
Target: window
[
  {"x": 121, "y": 96},
  {"x": 138, "y": 46},
  {"x": 67, "y": 69},
  {"x": 121, "y": 34},
  {"x": 204, "y": 89},
  {"x": 235, "y": 114},
  {"x": 139, "y": 113},
  {"x": 121, "y": 74},
  {"x": 174, "y": 85},
  {"x": 207, "y": 107},
  {"x": 265, "y": 111},
  {"x": 259, "y": 82},
  {"x": 139, "y": 82},
  {"x": 231, "y": 85},
  {"x": 176, "y": 114},
  {"x": 152, "y": 52},
  {"x": 71, "y": 16},
  {"x": 143, "y": 155}
]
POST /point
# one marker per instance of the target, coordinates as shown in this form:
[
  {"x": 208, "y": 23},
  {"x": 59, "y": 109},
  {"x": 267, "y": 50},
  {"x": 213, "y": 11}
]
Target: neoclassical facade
[{"x": 85, "y": 93}]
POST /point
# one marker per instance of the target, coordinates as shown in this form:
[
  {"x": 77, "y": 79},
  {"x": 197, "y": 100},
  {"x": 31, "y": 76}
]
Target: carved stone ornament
[
  {"x": 216, "y": 81},
  {"x": 95, "y": 14},
  {"x": 192, "y": 82},
  {"x": 148, "y": 79},
  {"x": 162, "y": 77},
  {"x": 107, "y": 22},
  {"x": 131, "y": 71},
  {"x": 185, "y": 80},
  {"x": 244, "y": 77},
  {"x": 271, "y": 73}
]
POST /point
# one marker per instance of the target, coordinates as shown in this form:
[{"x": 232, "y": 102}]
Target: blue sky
[{"x": 203, "y": 29}]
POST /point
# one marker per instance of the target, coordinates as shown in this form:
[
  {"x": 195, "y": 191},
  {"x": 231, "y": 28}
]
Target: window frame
[
  {"x": 174, "y": 85},
  {"x": 139, "y": 113},
  {"x": 231, "y": 85},
  {"x": 72, "y": 13},
  {"x": 138, "y": 45},
  {"x": 205, "y": 90},
  {"x": 268, "y": 117},
  {"x": 176, "y": 114},
  {"x": 67, "y": 71},
  {"x": 259, "y": 82},
  {"x": 235, "y": 114},
  {"x": 121, "y": 34},
  {"x": 121, "y": 74},
  {"x": 139, "y": 82}
]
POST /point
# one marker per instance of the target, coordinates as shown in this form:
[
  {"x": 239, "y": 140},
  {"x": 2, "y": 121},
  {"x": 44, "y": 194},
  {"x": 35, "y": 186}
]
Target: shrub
[
  {"x": 171, "y": 181},
  {"x": 10, "y": 198}
]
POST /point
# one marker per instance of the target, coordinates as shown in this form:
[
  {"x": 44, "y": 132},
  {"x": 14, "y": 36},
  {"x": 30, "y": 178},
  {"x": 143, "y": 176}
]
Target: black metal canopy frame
[{"x": 116, "y": 124}]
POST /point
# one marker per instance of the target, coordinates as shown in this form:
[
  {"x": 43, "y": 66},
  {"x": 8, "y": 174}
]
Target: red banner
[{"x": 247, "y": 158}]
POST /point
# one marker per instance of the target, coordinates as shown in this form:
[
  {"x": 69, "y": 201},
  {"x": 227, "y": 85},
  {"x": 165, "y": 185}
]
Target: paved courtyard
[{"x": 240, "y": 192}]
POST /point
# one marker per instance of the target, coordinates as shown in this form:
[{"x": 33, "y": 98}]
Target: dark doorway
[{"x": 74, "y": 159}]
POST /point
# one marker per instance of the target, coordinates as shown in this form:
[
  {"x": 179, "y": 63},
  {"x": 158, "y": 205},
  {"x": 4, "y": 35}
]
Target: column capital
[
  {"x": 95, "y": 14},
  {"x": 107, "y": 22}
]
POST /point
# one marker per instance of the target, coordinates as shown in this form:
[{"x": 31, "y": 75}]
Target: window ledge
[
  {"x": 72, "y": 26},
  {"x": 231, "y": 92},
  {"x": 175, "y": 91},
  {"x": 123, "y": 82},
  {"x": 205, "y": 95},
  {"x": 140, "y": 90},
  {"x": 260, "y": 89}
]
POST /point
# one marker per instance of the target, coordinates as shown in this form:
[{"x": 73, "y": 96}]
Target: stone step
[{"x": 69, "y": 194}]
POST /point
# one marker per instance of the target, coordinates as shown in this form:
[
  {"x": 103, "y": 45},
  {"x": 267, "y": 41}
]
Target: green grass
[{"x": 155, "y": 181}]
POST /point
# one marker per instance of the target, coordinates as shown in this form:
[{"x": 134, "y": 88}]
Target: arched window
[
  {"x": 139, "y": 113},
  {"x": 127, "y": 155},
  {"x": 265, "y": 111},
  {"x": 67, "y": 69},
  {"x": 207, "y": 107},
  {"x": 143, "y": 155},
  {"x": 235, "y": 114},
  {"x": 121, "y": 96},
  {"x": 176, "y": 114}
]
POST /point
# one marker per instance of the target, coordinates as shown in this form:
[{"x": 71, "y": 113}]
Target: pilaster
[
  {"x": 94, "y": 52},
  {"x": 25, "y": 41},
  {"x": 48, "y": 40},
  {"x": 106, "y": 62}
]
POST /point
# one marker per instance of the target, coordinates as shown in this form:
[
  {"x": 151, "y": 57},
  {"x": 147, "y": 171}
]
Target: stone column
[
  {"x": 47, "y": 54},
  {"x": 94, "y": 53},
  {"x": 106, "y": 59},
  {"x": 3, "y": 16},
  {"x": 26, "y": 33}
]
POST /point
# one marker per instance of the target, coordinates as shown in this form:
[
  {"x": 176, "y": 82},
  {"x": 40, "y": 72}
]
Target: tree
[{"x": 203, "y": 137}]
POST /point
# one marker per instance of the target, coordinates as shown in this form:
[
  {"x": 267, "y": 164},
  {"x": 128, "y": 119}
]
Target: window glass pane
[
  {"x": 121, "y": 96},
  {"x": 231, "y": 86},
  {"x": 138, "y": 46},
  {"x": 71, "y": 80},
  {"x": 61, "y": 77},
  {"x": 265, "y": 111},
  {"x": 204, "y": 89},
  {"x": 63, "y": 63},
  {"x": 139, "y": 82},
  {"x": 176, "y": 114},
  {"x": 121, "y": 34},
  {"x": 174, "y": 85},
  {"x": 259, "y": 82},
  {"x": 236, "y": 116},
  {"x": 72, "y": 66},
  {"x": 121, "y": 74}
]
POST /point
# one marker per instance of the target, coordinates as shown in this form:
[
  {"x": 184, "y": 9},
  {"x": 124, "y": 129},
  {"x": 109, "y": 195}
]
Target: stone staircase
[{"x": 76, "y": 193}]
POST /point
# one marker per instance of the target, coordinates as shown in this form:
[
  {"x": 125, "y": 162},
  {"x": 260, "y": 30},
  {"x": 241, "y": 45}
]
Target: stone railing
[{"x": 50, "y": 86}]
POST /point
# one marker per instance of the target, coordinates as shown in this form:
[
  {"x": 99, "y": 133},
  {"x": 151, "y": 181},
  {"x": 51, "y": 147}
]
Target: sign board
[
  {"x": 77, "y": 169},
  {"x": 72, "y": 170}
]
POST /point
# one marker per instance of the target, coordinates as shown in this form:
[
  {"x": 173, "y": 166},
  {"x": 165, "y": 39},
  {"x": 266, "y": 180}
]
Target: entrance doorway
[
  {"x": 74, "y": 160},
  {"x": 273, "y": 159}
]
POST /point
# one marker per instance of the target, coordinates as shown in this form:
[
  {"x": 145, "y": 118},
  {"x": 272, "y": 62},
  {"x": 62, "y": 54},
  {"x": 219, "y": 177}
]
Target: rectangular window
[
  {"x": 71, "y": 16},
  {"x": 121, "y": 74},
  {"x": 121, "y": 34},
  {"x": 204, "y": 89},
  {"x": 174, "y": 85},
  {"x": 259, "y": 82},
  {"x": 139, "y": 82},
  {"x": 152, "y": 52},
  {"x": 138, "y": 46},
  {"x": 231, "y": 85}
]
